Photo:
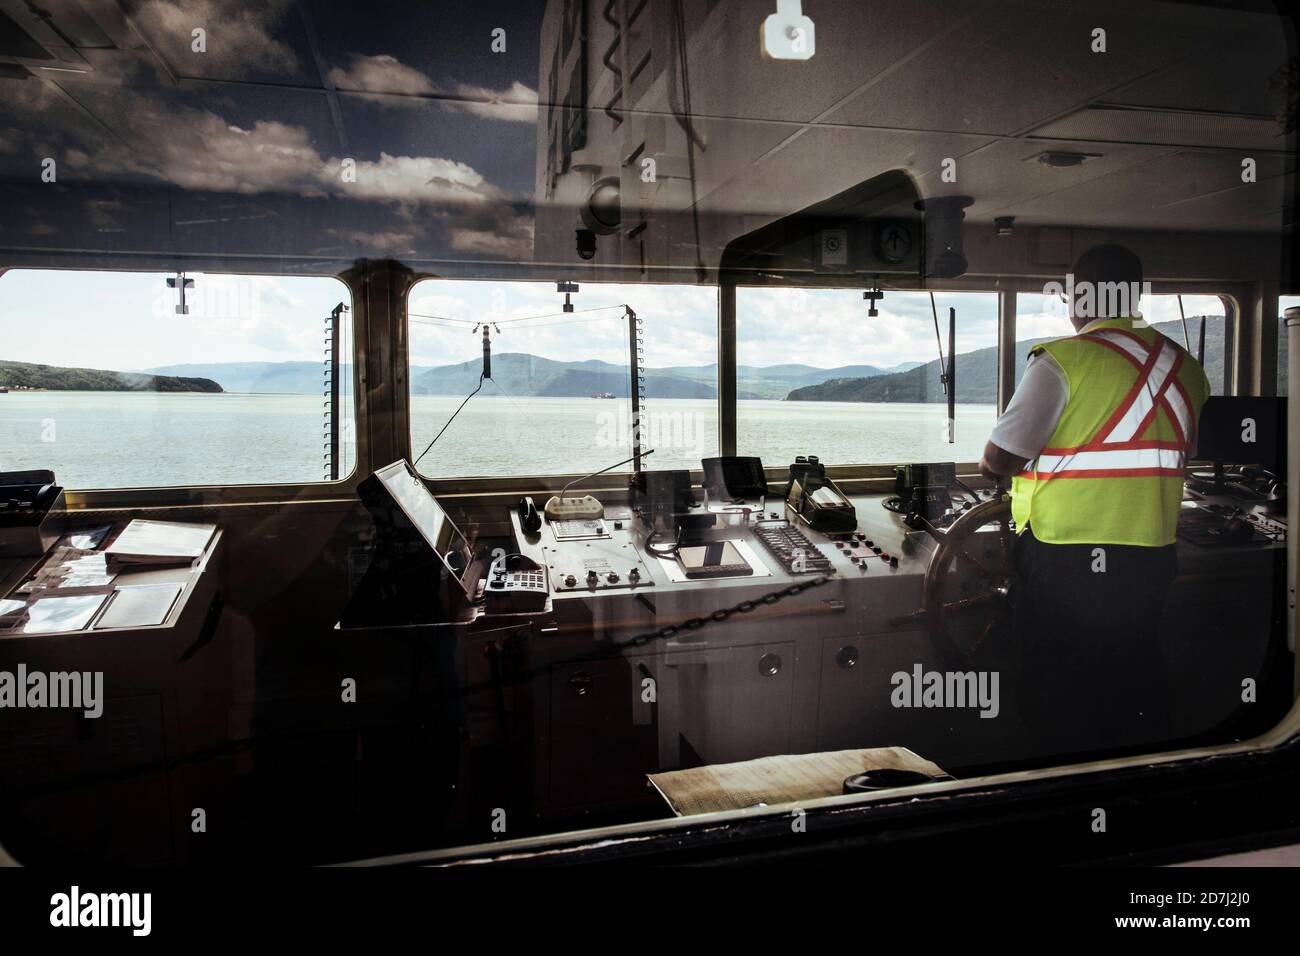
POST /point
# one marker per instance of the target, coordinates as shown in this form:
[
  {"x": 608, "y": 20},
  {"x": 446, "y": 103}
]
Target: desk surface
[{"x": 147, "y": 598}]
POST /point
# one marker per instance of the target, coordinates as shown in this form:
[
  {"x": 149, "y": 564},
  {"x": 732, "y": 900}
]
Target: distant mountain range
[
  {"x": 522, "y": 375},
  {"x": 271, "y": 377},
  {"x": 59, "y": 378},
  {"x": 977, "y": 372},
  {"x": 517, "y": 373}
]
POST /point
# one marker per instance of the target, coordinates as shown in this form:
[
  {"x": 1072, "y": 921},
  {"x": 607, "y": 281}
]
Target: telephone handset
[
  {"x": 24, "y": 504},
  {"x": 516, "y": 584},
  {"x": 530, "y": 519}
]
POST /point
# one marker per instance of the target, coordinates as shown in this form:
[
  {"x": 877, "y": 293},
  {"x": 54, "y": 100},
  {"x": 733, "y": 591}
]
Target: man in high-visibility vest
[{"x": 1095, "y": 442}]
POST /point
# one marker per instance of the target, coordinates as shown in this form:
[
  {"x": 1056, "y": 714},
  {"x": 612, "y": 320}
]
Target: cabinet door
[
  {"x": 856, "y": 708},
  {"x": 720, "y": 705},
  {"x": 600, "y": 747}
]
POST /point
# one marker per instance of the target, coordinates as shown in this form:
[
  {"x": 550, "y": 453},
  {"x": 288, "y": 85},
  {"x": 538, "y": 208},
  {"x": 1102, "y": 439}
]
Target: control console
[{"x": 792, "y": 549}]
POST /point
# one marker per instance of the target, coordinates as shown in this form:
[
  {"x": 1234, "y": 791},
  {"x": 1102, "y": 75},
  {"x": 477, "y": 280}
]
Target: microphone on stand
[{"x": 585, "y": 508}]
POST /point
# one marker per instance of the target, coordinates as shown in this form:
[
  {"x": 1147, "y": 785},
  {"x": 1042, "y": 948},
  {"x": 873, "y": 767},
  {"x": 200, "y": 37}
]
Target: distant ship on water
[{"x": 604, "y": 395}]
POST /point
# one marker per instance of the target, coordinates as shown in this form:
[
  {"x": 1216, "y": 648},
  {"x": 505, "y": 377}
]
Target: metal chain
[{"x": 722, "y": 614}]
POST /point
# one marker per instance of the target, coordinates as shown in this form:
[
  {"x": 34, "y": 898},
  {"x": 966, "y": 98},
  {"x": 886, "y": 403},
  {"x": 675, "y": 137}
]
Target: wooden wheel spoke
[
  {"x": 975, "y": 564},
  {"x": 994, "y": 573},
  {"x": 974, "y": 601}
]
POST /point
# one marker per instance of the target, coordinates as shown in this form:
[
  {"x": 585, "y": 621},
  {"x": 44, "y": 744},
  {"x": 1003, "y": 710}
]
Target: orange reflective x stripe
[{"x": 1116, "y": 450}]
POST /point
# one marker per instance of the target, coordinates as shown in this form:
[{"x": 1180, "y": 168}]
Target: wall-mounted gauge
[{"x": 893, "y": 242}]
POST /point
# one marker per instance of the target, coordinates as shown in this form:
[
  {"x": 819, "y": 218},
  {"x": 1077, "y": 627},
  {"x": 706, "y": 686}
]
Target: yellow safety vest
[{"x": 1113, "y": 470}]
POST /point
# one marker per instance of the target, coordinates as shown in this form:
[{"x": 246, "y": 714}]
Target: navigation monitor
[
  {"x": 1243, "y": 430},
  {"x": 406, "y": 501}
]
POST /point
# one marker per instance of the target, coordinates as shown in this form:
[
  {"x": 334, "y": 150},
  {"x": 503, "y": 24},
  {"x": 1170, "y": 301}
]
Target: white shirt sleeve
[{"x": 1034, "y": 410}]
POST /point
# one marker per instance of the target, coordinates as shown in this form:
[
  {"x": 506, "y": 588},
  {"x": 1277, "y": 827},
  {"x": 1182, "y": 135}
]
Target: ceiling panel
[{"x": 1029, "y": 63}]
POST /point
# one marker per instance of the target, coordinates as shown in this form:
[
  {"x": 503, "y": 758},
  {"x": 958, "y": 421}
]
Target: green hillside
[
  {"x": 521, "y": 374},
  {"x": 525, "y": 375},
  {"x": 977, "y": 373},
  {"x": 58, "y": 378}
]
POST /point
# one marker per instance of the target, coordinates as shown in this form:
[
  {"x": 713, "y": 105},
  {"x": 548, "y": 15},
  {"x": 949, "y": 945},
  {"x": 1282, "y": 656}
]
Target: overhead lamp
[{"x": 788, "y": 34}]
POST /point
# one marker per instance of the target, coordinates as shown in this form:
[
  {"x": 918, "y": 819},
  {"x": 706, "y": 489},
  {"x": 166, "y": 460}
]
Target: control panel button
[
  {"x": 612, "y": 577},
  {"x": 634, "y": 575}
]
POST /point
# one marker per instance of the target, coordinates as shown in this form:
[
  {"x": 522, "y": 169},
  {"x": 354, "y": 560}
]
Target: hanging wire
[
  {"x": 443, "y": 318},
  {"x": 450, "y": 420},
  {"x": 439, "y": 324},
  {"x": 549, "y": 325},
  {"x": 551, "y": 315}
]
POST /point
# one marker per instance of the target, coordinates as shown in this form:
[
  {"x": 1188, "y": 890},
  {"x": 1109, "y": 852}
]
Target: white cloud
[
  {"x": 518, "y": 104},
  {"x": 381, "y": 74},
  {"x": 509, "y": 237},
  {"x": 387, "y": 80},
  {"x": 239, "y": 39},
  {"x": 412, "y": 178}
]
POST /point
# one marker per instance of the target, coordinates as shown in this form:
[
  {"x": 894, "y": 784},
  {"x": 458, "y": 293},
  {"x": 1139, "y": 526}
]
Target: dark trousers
[{"x": 1092, "y": 673}]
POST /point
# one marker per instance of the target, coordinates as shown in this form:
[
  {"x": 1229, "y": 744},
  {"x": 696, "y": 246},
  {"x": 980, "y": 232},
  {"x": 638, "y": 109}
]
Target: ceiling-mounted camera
[{"x": 602, "y": 211}]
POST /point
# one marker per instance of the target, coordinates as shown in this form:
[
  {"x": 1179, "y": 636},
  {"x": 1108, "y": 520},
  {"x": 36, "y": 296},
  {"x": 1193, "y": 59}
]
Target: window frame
[
  {"x": 612, "y": 485},
  {"x": 845, "y": 472},
  {"x": 211, "y": 495}
]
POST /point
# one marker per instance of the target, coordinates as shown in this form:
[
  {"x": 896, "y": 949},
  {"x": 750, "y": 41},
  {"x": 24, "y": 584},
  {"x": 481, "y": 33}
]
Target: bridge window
[
  {"x": 112, "y": 382},
  {"x": 817, "y": 375},
  {"x": 1283, "y": 303},
  {"x": 1041, "y": 318},
  {"x": 558, "y": 396}
]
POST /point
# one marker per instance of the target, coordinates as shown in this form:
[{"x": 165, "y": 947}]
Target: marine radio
[
  {"x": 923, "y": 489},
  {"x": 814, "y": 498},
  {"x": 665, "y": 500}
]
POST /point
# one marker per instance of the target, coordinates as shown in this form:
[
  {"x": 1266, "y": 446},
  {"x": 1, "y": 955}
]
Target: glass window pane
[
  {"x": 558, "y": 397},
  {"x": 1283, "y": 343},
  {"x": 111, "y": 387},
  {"x": 1041, "y": 318},
  {"x": 882, "y": 401}
]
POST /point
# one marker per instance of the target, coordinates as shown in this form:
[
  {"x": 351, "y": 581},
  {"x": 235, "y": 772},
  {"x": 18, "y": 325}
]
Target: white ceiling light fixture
[{"x": 788, "y": 34}]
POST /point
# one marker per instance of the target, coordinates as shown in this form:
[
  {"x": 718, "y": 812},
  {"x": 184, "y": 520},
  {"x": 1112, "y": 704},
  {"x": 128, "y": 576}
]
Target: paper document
[{"x": 143, "y": 605}]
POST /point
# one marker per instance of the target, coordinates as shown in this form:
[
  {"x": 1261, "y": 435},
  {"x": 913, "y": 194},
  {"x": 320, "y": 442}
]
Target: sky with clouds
[
  {"x": 443, "y": 132},
  {"x": 127, "y": 321},
  {"x": 441, "y": 129}
]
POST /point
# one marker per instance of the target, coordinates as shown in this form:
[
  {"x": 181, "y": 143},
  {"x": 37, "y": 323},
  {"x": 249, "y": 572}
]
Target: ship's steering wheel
[{"x": 993, "y": 572}]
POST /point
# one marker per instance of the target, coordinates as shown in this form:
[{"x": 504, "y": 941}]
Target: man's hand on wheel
[{"x": 998, "y": 465}]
